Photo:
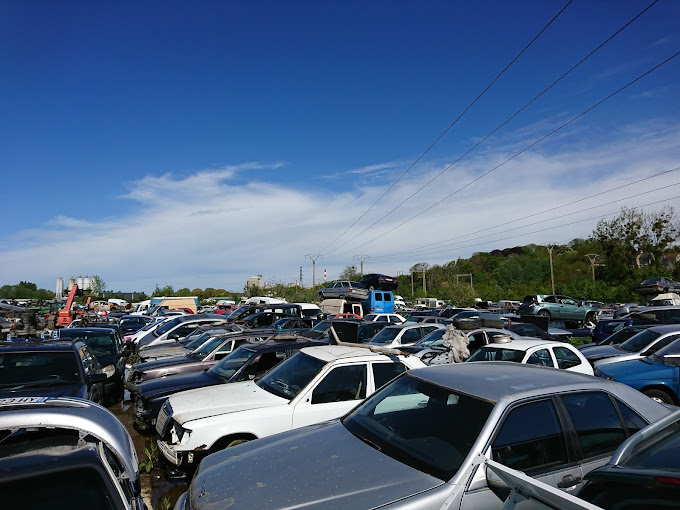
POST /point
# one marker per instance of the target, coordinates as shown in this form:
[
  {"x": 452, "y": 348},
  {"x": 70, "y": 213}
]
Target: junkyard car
[
  {"x": 107, "y": 345},
  {"x": 657, "y": 375},
  {"x": 55, "y": 369},
  {"x": 407, "y": 333},
  {"x": 315, "y": 384},
  {"x": 535, "y": 352},
  {"x": 379, "y": 282},
  {"x": 177, "y": 328},
  {"x": 421, "y": 442},
  {"x": 558, "y": 307},
  {"x": 250, "y": 361},
  {"x": 344, "y": 289},
  {"x": 65, "y": 453},
  {"x": 662, "y": 285}
]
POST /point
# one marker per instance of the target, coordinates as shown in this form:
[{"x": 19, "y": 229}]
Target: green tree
[
  {"x": 97, "y": 286},
  {"x": 349, "y": 273},
  {"x": 166, "y": 291}
]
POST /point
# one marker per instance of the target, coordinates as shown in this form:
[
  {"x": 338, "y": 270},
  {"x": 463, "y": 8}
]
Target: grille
[{"x": 163, "y": 418}]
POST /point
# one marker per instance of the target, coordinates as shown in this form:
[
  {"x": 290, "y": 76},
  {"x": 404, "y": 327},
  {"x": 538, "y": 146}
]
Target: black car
[
  {"x": 661, "y": 285},
  {"x": 131, "y": 323},
  {"x": 375, "y": 281},
  {"x": 65, "y": 453},
  {"x": 111, "y": 352},
  {"x": 50, "y": 369},
  {"x": 246, "y": 363},
  {"x": 644, "y": 471}
]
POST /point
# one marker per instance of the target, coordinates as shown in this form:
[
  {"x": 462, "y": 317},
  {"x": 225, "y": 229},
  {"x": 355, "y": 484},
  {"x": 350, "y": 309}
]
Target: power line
[
  {"x": 548, "y": 228},
  {"x": 543, "y": 212},
  {"x": 451, "y": 125},
  {"x": 573, "y": 119},
  {"x": 492, "y": 132}
]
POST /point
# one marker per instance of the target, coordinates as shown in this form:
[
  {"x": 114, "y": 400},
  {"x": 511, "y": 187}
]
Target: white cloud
[{"x": 216, "y": 227}]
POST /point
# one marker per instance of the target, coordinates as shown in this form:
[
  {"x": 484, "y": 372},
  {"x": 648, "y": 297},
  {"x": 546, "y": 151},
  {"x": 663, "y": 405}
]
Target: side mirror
[
  {"x": 496, "y": 485},
  {"x": 173, "y": 336}
]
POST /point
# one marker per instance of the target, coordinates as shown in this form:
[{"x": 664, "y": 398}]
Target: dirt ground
[{"x": 158, "y": 493}]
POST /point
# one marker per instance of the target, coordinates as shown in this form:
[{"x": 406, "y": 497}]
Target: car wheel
[
  {"x": 544, "y": 313},
  {"x": 665, "y": 291},
  {"x": 590, "y": 320},
  {"x": 659, "y": 396},
  {"x": 237, "y": 442}
]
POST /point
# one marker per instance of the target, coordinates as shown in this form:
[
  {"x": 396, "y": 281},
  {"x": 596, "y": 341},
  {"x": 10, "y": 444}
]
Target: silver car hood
[{"x": 282, "y": 472}]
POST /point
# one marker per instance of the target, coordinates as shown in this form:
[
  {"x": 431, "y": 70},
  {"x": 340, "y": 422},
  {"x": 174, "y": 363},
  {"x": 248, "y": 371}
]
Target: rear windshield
[
  {"x": 497, "y": 354},
  {"x": 41, "y": 368}
]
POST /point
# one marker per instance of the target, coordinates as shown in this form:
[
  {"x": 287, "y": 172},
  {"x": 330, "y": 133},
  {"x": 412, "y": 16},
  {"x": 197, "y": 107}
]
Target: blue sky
[{"x": 197, "y": 144}]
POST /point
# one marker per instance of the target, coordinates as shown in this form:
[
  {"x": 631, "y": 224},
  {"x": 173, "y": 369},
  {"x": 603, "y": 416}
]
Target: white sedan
[{"x": 535, "y": 352}]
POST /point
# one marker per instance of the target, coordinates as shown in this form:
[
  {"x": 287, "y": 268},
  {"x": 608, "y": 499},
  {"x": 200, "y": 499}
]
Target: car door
[
  {"x": 529, "y": 437},
  {"x": 568, "y": 360},
  {"x": 409, "y": 336},
  {"x": 540, "y": 357},
  {"x": 332, "y": 395}
]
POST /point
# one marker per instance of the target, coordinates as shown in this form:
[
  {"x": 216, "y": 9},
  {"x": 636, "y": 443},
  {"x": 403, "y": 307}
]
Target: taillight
[{"x": 671, "y": 480}]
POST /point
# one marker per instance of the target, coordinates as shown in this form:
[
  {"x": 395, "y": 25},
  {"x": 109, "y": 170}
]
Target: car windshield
[
  {"x": 322, "y": 326},
  {"x": 622, "y": 335},
  {"x": 239, "y": 313},
  {"x": 202, "y": 351},
  {"x": 32, "y": 369},
  {"x": 488, "y": 353},
  {"x": 195, "y": 339},
  {"x": 100, "y": 343},
  {"x": 431, "y": 339},
  {"x": 425, "y": 426},
  {"x": 466, "y": 314},
  {"x": 385, "y": 336},
  {"x": 164, "y": 328},
  {"x": 231, "y": 363},
  {"x": 290, "y": 377},
  {"x": 639, "y": 342}
]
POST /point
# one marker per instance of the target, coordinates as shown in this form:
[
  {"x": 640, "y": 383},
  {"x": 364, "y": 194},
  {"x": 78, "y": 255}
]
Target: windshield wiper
[{"x": 367, "y": 441}]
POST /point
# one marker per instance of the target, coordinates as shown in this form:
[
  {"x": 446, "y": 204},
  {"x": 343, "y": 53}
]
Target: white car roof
[
  {"x": 525, "y": 344},
  {"x": 335, "y": 352}
]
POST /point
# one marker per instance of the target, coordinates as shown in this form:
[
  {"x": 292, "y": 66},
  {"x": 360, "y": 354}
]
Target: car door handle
[{"x": 569, "y": 481}]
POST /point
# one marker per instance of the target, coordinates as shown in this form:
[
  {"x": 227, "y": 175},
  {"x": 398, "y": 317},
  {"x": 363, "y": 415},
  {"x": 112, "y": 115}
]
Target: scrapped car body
[
  {"x": 344, "y": 289},
  {"x": 535, "y": 352},
  {"x": 643, "y": 344},
  {"x": 407, "y": 333},
  {"x": 661, "y": 285},
  {"x": 249, "y": 361},
  {"x": 420, "y": 442},
  {"x": 177, "y": 328},
  {"x": 315, "y": 384},
  {"x": 558, "y": 307},
  {"x": 65, "y": 453}
]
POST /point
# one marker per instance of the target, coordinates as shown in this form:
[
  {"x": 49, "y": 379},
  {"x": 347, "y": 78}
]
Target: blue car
[{"x": 657, "y": 376}]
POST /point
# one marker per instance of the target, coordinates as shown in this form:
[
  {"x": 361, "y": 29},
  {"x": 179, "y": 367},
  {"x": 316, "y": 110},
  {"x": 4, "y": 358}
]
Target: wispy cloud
[{"x": 216, "y": 227}]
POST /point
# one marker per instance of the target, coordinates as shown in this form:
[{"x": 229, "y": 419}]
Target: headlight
[{"x": 109, "y": 370}]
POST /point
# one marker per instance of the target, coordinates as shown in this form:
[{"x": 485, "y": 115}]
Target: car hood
[
  {"x": 165, "y": 362},
  {"x": 601, "y": 351},
  {"x": 163, "y": 351},
  {"x": 172, "y": 384},
  {"x": 61, "y": 390},
  {"x": 215, "y": 400},
  {"x": 321, "y": 466},
  {"x": 639, "y": 369}
]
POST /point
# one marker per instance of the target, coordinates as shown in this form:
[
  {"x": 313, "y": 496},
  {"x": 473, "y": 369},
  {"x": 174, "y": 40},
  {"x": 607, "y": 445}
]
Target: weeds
[{"x": 152, "y": 459}]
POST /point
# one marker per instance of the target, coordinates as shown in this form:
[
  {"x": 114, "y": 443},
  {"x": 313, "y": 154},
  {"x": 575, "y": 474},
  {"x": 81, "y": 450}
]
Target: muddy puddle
[{"x": 158, "y": 492}]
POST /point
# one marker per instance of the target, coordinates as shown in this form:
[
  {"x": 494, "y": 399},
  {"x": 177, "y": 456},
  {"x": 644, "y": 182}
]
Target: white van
[
  {"x": 336, "y": 306},
  {"x": 142, "y": 307}
]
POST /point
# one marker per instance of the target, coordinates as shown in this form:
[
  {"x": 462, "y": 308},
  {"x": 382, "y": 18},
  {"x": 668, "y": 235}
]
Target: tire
[
  {"x": 665, "y": 291},
  {"x": 591, "y": 319},
  {"x": 544, "y": 313},
  {"x": 237, "y": 442},
  {"x": 659, "y": 396}
]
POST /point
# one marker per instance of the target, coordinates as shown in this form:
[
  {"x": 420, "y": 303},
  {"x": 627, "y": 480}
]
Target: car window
[
  {"x": 410, "y": 336},
  {"x": 378, "y": 296},
  {"x": 382, "y": 318},
  {"x": 541, "y": 357},
  {"x": 662, "y": 343},
  {"x": 596, "y": 421},
  {"x": 477, "y": 340},
  {"x": 385, "y": 372},
  {"x": 530, "y": 439},
  {"x": 341, "y": 384},
  {"x": 633, "y": 420},
  {"x": 566, "y": 358}
]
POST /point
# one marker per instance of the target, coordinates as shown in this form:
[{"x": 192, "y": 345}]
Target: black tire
[
  {"x": 659, "y": 395},
  {"x": 665, "y": 291},
  {"x": 544, "y": 313}
]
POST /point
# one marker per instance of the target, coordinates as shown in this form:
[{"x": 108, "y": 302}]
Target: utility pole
[
  {"x": 300, "y": 276},
  {"x": 424, "y": 284},
  {"x": 552, "y": 274},
  {"x": 313, "y": 257},
  {"x": 361, "y": 259},
  {"x": 592, "y": 257},
  {"x": 412, "y": 295}
]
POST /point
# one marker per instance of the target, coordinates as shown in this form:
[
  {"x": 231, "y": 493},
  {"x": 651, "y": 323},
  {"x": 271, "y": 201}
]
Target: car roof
[
  {"x": 74, "y": 414},
  {"x": 51, "y": 345},
  {"x": 666, "y": 328},
  {"x": 524, "y": 344},
  {"x": 494, "y": 380},
  {"x": 335, "y": 352},
  {"x": 296, "y": 343}
]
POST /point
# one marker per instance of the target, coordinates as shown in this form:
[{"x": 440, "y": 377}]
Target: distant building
[{"x": 255, "y": 281}]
